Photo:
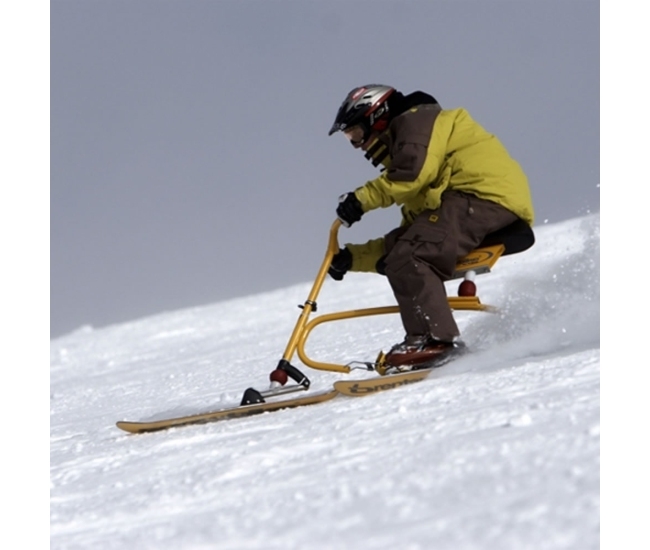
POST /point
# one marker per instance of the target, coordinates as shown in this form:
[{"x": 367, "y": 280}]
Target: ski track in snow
[{"x": 499, "y": 449}]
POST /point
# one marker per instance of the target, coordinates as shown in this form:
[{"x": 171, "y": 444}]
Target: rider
[{"x": 455, "y": 184}]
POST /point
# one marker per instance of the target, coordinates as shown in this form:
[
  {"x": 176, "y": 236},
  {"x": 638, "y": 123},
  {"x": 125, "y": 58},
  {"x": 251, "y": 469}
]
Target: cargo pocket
[
  {"x": 419, "y": 247},
  {"x": 436, "y": 249}
]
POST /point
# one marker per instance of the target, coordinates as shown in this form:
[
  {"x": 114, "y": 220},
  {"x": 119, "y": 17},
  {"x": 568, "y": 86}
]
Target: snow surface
[{"x": 499, "y": 450}]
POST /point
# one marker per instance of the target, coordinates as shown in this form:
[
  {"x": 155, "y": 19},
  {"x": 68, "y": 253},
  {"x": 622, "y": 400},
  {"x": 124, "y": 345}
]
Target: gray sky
[{"x": 190, "y": 161}]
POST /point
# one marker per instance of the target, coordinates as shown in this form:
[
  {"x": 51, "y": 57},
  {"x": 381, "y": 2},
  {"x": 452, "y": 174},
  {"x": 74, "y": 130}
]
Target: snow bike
[{"x": 512, "y": 239}]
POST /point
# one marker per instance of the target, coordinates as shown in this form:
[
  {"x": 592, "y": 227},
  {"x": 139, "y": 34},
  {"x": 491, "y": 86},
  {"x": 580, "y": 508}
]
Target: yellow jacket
[{"x": 427, "y": 151}]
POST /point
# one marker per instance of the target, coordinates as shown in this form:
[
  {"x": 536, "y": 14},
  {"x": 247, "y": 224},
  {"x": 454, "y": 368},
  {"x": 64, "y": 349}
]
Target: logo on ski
[{"x": 361, "y": 388}]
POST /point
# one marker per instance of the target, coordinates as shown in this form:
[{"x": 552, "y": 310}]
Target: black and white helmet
[{"x": 364, "y": 105}]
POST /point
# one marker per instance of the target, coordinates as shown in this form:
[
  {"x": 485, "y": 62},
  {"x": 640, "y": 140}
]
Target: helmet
[{"x": 364, "y": 105}]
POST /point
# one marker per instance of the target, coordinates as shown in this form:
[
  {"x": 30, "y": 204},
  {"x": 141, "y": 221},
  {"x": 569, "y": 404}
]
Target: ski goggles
[{"x": 355, "y": 134}]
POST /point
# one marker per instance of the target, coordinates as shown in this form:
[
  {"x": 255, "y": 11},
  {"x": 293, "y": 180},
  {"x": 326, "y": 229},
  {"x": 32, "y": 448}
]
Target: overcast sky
[{"x": 190, "y": 161}]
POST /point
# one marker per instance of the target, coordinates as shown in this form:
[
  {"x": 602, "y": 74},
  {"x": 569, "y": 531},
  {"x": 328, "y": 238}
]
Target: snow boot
[{"x": 419, "y": 353}]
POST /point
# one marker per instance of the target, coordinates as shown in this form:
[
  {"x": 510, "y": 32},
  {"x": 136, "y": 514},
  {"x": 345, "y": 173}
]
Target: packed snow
[{"x": 500, "y": 449}]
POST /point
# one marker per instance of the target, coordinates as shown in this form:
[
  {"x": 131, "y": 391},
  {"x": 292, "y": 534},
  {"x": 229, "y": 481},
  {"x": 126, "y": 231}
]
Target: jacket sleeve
[{"x": 365, "y": 256}]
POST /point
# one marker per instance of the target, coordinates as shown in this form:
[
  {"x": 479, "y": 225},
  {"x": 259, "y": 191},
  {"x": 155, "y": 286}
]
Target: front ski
[
  {"x": 225, "y": 414},
  {"x": 358, "y": 388},
  {"x": 350, "y": 388}
]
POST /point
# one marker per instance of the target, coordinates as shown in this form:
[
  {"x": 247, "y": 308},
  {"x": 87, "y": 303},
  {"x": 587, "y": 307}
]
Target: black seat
[{"x": 516, "y": 237}]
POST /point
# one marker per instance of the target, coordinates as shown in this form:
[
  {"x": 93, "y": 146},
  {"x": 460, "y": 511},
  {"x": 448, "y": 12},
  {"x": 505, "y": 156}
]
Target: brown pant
[{"x": 421, "y": 256}]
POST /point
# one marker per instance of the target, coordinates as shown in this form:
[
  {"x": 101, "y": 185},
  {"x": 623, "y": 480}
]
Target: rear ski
[{"x": 368, "y": 386}]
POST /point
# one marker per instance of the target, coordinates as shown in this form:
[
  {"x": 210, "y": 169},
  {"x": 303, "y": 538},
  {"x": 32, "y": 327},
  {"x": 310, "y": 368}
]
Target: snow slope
[{"x": 498, "y": 450}]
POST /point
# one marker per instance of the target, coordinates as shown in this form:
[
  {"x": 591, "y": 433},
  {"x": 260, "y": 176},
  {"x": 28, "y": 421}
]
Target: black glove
[
  {"x": 349, "y": 209},
  {"x": 341, "y": 264}
]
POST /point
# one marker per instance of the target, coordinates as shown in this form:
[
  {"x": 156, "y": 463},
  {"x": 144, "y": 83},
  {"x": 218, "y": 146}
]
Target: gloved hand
[
  {"x": 349, "y": 209},
  {"x": 341, "y": 264}
]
